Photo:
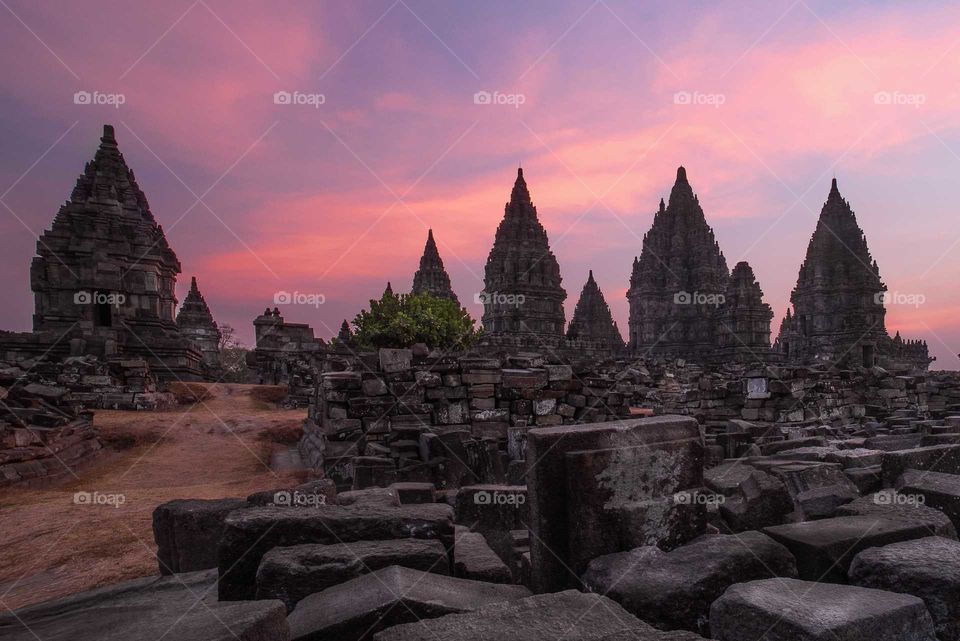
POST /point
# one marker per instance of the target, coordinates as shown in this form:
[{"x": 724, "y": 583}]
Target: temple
[
  {"x": 432, "y": 278},
  {"x": 838, "y": 303},
  {"x": 523, "y": 297},
  {"x": 677, "y": 282},
  {"x": 592, "y": 320},
  {"x": 743, "y": 320},
  {"x": 104, "y": 277},
  {"x": 196, "y": 323}
]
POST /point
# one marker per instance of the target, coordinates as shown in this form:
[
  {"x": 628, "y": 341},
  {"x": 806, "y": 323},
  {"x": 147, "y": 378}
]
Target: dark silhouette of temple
[
  {"x": 838, "y": 303},
  {"x": 196, "y": 323},
  {"x": 592, "y": 320},
  {"x": 522, "y": 285},
  {"x": 104, "y": 277},
  {"x": 432, "y": 278}
]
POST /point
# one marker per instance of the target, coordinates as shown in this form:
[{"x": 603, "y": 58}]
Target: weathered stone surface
[
  {"x": 592, "y": 320},
  {"x": 899, "y": 505},
  {"x": 182, "y": 607},
  {"x": 356, "y": 609},
  {"x": 938, "y": 458},
  {"x": 940, "y": 491},
  {"x": 753, "y": 499},
  {"x": 249, "y": 534},
  {"x": 561, "y": 615},
  {"x": 187, "y": 532},
  {"x": 291, "y": 573},
  {"x": 928, "y": 568},
  {"x": 824, "y": 549},
  {"x": 674, "y": 589},
  {"x": 664, "y": 457},
  {"x": 473, "y": 559},
  {"x": 791, "y": 610}
]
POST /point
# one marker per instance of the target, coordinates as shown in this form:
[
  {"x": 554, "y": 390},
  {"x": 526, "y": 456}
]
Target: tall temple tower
[
  {"x": 432, "y": 278},
  {"x": 196, "y": 323},
  {"x": 104, "y": 276},
  {"x": 838, "y": 313},
  {"x": 522, "y": 292},
  {"x": 678, "y": 281},
  {"x": 743, "y": 320},
  {"x": 592, "y": 320}
]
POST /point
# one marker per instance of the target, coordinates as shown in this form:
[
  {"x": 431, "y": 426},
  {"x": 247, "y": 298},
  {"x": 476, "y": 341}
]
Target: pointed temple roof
[
  {"x": 521, "y": 264},
  {"x": 388, "y": 290},
  {"x": 432, "y": 278},
  {"x": 680, "y": 254},
  {"x": 592, "y": 319},
  {"x": 194, "y": 311}
]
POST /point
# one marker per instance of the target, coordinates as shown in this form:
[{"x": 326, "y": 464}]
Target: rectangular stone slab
[
  {"x": 356, "y": 609},
  {"x": 825, "y": 548},
  {"x": 292, "y": 573},
  {"x": 249, "y": 534},
  {"x": 791, "y": 610},
  {"x": 550, "y": 520},
  {"x": 620, "y": 499},
  {"x": 569, "y": 615}
]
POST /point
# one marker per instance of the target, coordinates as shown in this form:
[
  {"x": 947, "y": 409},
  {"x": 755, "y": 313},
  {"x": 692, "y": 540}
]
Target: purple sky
[{"x": 335, "y": 198}]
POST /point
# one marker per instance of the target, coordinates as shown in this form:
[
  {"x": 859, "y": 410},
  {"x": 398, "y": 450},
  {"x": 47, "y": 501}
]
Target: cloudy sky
[{"x": 332, "y": 194}]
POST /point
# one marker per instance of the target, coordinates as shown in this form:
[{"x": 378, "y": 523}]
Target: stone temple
[
  {"x": 523, "y": 296},
  {"x": 838, "y": 302},
  {"x": 104, "y": 277},
  {"x": 678, "y": 280},
  {"x": 743, "y": 320},
  {"x": 196, "y": 323},
  {"x": 592, "y": 320},
  {"x": 432, "y": 278}
]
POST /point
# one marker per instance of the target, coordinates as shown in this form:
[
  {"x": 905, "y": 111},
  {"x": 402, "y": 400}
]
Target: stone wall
[{"x": 407, "y": 414}]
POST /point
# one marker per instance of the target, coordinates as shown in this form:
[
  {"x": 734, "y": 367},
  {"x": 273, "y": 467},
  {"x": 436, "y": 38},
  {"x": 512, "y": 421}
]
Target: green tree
[{"x": 402, "y": 320}]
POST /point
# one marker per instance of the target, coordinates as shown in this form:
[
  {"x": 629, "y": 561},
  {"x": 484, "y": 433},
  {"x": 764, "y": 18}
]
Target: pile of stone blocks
[{"x": 413, "y": 415}]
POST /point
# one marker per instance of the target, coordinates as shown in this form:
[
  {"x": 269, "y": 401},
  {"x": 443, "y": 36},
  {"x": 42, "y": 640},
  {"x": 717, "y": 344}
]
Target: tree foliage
[{"x": 401, "y": 320}]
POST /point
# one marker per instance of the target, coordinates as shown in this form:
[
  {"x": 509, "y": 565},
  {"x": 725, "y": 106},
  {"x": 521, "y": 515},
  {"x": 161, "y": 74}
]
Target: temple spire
[{"x": 431, "y": 278}]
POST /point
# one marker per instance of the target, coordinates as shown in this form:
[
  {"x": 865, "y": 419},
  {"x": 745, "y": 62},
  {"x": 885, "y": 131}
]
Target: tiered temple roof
[
  {"x": 592, "y": 320},
  {"x": 522, "y": 284},
  {"x": 743, "y": 319},
  {"x": 432, "y": 278},
  {"x": 677, "y": 281},
  {"x": 196, "y": 323}
]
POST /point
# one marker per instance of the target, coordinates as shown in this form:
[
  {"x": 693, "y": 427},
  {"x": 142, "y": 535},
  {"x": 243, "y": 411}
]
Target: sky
[{"x": 381, "y": 129}]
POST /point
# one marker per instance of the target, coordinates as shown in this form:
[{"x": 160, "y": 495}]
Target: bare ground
[{"x": 51, "y": 546}]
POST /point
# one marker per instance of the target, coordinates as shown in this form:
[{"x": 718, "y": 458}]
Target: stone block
[
  {"x": 249, "y": 534},
  {"x": 187, "y": 532},
  {"x": 618, "y": 471},
  {"x": 355, "y": 610},
  {"x": 395, "y": 360},
  {"x": 927, "y": 568},
  {"x": 791, "y": 610},
  {"x": 824, "y": 549},
  {"x": 473, "y": 559},
  {"x": 674, "y": 590},
  {"x": 292, "y": 573}
]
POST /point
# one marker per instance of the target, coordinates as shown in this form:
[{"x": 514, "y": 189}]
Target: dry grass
[
  {"x": 53, "y": 547},
  {"x": 269, "y": 394},
  {"x": 190, "y": 393}
]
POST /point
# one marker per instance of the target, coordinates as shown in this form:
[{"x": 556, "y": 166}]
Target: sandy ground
[{"x": 51, "y": 546}]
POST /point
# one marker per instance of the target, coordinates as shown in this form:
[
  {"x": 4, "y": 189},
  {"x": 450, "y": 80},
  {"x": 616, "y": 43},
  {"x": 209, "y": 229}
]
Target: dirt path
[{"x": 52, "y": 545}]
